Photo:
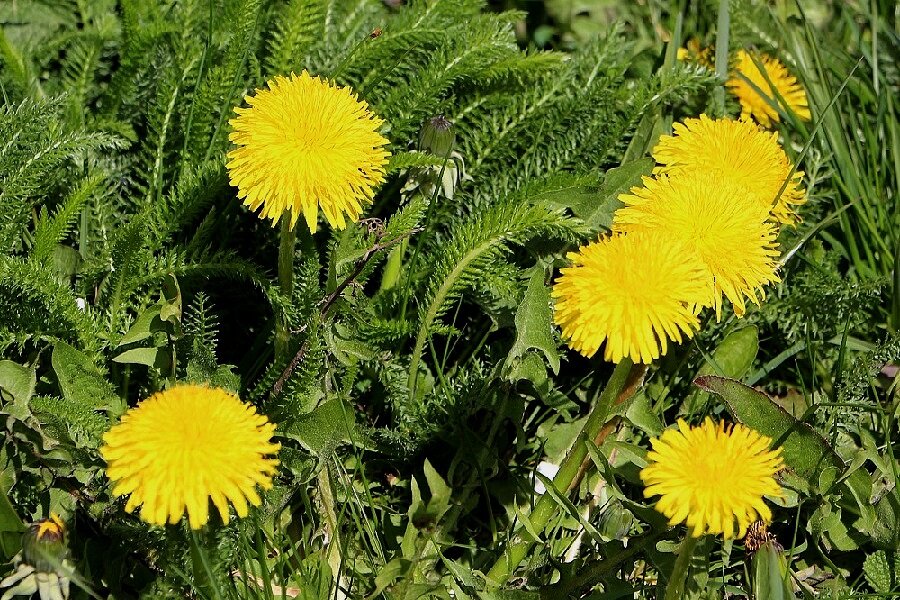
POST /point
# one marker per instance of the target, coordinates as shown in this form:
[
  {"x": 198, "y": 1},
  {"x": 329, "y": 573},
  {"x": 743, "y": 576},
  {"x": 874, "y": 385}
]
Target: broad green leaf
[
  {"x": 881, "y": 572},
  {"x": 534, "y": 324},
  {"x": 733, "y": 358},
  {"x": 595, "y": 204},
  {"x": 170, "y": 303},
  {"x": 770, "y": 574},
  {"x": 162, "y": 317},
  {"x": 440, "y": 492},
  {"x": 65, "y": 261},
  {"x": 566, "y": 505},
  {"x": 886, "y": 530},
  {"x": 502, "y": 594},
  {"x": 734, "y": 355},
  {"x": 16, "y": 381},
  {"x": 9, "y": 519},
  {"x": 152, "y": 357},
  {"x": 80, "y": 381},
  {"x": 805, "y": 451},
  {"x": 315, "y": 578},
  {"x": 11, "y": 526},
  {"x": 391, "y": 572},
  {"x": 530, "y": 367},
  {"x": 325, "y": 428},
  {"x": 147, "y": 323},
  {"x": 641, "y": 415}
]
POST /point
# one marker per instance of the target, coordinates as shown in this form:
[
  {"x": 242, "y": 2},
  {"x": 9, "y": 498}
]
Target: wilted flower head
[
  {"x": 42, "y": 566},
  {"x": 437, "y": 136}
]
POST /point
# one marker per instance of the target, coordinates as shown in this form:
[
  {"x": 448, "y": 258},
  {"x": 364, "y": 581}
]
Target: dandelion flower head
[
  {"x": 304, "y": 144},
  {"x": 635, "y": 292},
  {"x": 761, "y": 107},
  {"x": 185, "y": 446},
  {"x": 738, "y": 151},
  {"x": 720, "y": 221},
  {"x": 712, "y": 478}
]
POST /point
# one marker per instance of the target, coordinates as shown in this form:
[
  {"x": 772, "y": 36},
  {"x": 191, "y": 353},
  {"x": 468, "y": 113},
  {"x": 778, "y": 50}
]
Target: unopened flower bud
[
  {"x": 44, "y": 544},
  {"x": 769, "y": 568},
  {"x": 437, "y": 136}
]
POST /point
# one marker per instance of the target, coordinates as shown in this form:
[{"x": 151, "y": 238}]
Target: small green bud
[{"x": 437, "y": 136}]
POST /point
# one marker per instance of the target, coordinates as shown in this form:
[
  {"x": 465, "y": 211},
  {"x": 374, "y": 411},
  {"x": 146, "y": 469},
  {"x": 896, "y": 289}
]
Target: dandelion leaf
[
  {"x": 805, "y": 451},
  {"x": 534, "y": 327},
  {"x": 325, "y": 428},
  {"x": 82, "y": 383}
]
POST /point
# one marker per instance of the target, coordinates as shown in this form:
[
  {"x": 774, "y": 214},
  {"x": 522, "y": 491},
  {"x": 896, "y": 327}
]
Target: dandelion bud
[
  {"x": 44, "y": 544},
  {"x": 437, "y": 136},
  {"x": 771, "y": 578},
  {"x": 769, "y": 567}
]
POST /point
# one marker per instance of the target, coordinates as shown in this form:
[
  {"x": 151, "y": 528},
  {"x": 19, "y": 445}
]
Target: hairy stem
[
  {"x": 721, "y": 57},
  {"x": 286, "y": 247}
]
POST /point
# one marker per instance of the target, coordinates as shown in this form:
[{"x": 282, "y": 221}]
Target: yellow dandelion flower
[
  {"x": 738, "y": 151},
  {"x": 761, "y": 107},
  {"x": 719, "y": 220},
  {"x": 711, "y": 477},
  {"x": 186, "y": 445},
  {"x": 633, "y": 291},
  {"x": 306, "y": 143},
  {"x": 694, "y": 52}
]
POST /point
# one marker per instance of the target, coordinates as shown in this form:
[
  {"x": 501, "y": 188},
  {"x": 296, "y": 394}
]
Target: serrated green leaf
[
  {"x": 534, "y": 324},
  {"x": 81, "y": 382},
  {"x": 325, "y": 428},
  {"x": 880, "y": 572}
]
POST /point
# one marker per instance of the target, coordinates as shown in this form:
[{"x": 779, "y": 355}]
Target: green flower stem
[
  {"x": 203, "y": 575},
  {"x": 721, "y": 57},
  {"x": 287, "y": 244},
  {"x": 675, "y": 587},
  {"x": 546, "y": 507}
]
